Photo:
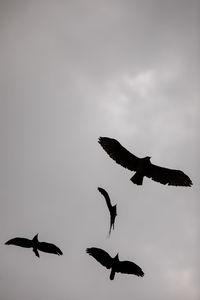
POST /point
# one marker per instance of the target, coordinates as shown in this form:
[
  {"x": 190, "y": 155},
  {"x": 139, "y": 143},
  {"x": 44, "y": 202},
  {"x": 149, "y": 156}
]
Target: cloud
[
  {"x": 70, "y": 72},
  {"x": 182, "y": 279}
]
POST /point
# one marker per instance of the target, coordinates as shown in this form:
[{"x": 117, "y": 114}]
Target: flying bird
[
  {"x": 142, "y": 166},
  {"x": 116, "y": 266},
  {"x": 112, "y": 208},
  {"x": 35, "y": 244}
]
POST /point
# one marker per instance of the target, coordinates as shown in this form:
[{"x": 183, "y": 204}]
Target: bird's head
[
  {"x": 116, "y": 258},
  {"x": 147, "y": 158},
  {"x": 36, "y": 237}
]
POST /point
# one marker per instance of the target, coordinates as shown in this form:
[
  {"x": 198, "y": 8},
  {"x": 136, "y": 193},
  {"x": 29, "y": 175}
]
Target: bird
[
  {"x": 142, "y": 166},
  {"x": 112, "y": 208},
  {"x": 35, "y": 244},
  {"x": 116, "y": 266}
]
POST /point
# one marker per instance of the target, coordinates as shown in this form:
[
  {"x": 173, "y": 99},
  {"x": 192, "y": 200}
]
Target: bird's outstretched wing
[
  {"x": 101, "y": 256},
  {"x": 117, "y": 152},
  {"x": 21, "y": 242},
  {"x": 167, "y": 176},
  {"x": 49, "y": 248},
  {"x": 129, "y": 267},
  {"x": 106, "y": 196}
]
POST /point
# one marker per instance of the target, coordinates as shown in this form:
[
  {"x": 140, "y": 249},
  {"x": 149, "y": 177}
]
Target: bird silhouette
[
  {"x": 142, "y": 166},
  {"x": 116, "y": 266},
  {"x": 35, "y": 244},
  {"x": 112, "y": 208}
]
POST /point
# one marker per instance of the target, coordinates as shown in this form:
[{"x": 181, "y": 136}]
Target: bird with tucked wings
[
  {"x": 35, "y": 244},
  {"x": 112, "y": 208},
  {"x": 142, "y": 166},
  {"x": 116, "y": 266}
]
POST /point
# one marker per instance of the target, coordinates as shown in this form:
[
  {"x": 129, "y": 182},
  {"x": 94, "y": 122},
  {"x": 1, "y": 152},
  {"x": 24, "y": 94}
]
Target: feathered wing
[
  {"x": 129, "y": 267},
  {"x": 101, "y": 256},
  {"x": 21, "y": 242},
  {"x": 167, "y": 176},
  {"x": 117, "y": 152},
  {"x": 106, "y": 196},
  {"x": 49, "y": 248}
]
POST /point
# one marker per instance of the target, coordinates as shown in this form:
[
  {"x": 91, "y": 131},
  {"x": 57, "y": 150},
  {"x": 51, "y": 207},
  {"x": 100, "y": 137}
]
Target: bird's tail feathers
[
  {"x": 109, "y": 232},
  {"x": 137, "y": 179},
  {"x": 112, "y": 274},
  {"x": 36, "y": 252},
  {"x": 112, "y": 225}
]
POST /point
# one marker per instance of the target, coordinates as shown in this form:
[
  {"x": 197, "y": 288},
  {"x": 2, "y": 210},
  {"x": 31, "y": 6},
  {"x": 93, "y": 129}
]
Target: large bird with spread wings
[
  {"x": 35, "y": 244},
  {"x": 112, "y": 208},
  {"x": 142, "y": 166},
  {"x": 116, "y": 266}
]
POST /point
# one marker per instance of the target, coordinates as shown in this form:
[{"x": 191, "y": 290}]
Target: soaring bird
[
  {"x": 35, "y": 244},
  {"x": 112, "y": 208},
  {"x": 142, "y": 166},
  {"x": 116, "y": 266}
]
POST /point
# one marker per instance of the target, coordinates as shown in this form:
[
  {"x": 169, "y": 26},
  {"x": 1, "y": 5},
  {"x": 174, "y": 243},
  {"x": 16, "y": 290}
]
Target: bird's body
[
  {"x": 35, "y": 244},
  {"x": 142, "y": 166},
  {"x": 116, "y": 266},
  {"x": 112, "y": 208}
]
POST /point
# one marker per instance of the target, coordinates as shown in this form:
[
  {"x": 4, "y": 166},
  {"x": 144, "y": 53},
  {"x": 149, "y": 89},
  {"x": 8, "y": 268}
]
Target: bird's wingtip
[
  {"x": 104, "y": 139},
  {"x": 101, "y": 190},
  {"x": 190, "y": 183},
  {"x": 88, "y": 250}
]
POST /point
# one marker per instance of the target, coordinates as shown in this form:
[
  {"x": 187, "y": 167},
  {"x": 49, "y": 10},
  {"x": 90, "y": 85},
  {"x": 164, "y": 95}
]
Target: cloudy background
[{"x": 71, "y": 71}]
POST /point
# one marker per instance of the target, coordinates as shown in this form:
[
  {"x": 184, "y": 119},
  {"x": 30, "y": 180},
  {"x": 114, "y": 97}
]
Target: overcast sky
[{"x": 71, "y": 71}]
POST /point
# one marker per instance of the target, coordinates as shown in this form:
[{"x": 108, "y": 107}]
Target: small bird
[
  {"x": 142, "y": 166},
  {"x": 112, "y": 208},
  {"x": 35, "y": 244},
  {"x": 114, "y": 263}
]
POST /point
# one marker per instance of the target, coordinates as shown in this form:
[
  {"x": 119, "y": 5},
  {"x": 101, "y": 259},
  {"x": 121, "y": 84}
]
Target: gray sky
[{"x": 71, "y": 71}]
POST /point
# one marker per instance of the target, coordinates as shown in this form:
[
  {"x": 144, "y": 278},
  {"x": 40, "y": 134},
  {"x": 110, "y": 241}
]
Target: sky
[{"x": 71, "y": 71}]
